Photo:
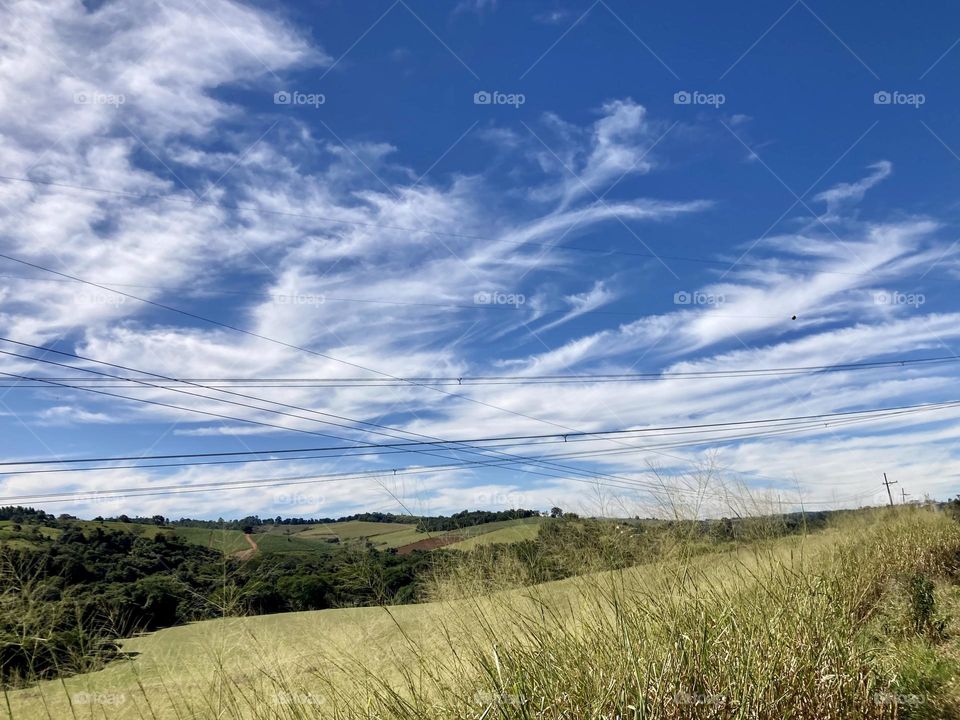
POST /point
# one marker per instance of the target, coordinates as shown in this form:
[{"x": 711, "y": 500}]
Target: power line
[
  {"x": 412, "y": 449},
  {"x": 541, "y": 461},
  {"x": 469, "y": 450},
  {"x": 466, "y": 380},
  {"x": 291, "y": 346},
  {"x": 773, "y": 423},
  {"x": 381, "y": 450},
  {"x": 777, "y": 431},
  {"x": 322, "y": 478}
]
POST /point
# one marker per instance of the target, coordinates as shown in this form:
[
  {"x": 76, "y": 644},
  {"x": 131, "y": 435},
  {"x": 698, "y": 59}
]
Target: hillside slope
[{"x": 180, "y": 666}]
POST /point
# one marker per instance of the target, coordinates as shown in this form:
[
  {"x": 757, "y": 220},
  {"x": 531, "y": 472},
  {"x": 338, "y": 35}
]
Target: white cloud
[
  {"x": 71, "y": 415},
  {"x": 580, "y": 303},
  {"x": 853, "y": 192},
  {"x": 392, "y": 288}
]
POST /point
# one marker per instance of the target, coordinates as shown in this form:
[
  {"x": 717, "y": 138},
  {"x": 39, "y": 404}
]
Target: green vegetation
[
  {"x": 500, "y": 533},
  {"x": 850, "y": 615},
  {"x": 72, "y": 589}
]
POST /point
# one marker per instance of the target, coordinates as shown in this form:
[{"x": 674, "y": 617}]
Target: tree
[
  {"x": 556, "y": 512},
  {"x": 305, "y": 592}
]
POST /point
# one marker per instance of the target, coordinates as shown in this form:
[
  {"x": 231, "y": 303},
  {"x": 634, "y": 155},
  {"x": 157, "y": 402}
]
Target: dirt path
[{"x": 247, "y": 554}]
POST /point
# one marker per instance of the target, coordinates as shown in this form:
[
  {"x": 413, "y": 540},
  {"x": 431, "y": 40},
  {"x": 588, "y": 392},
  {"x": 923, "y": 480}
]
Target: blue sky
[{"x": 397, "y": 187}]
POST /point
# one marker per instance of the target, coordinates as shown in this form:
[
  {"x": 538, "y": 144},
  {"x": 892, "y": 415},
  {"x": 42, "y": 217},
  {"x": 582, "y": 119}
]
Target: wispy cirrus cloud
[{"x": 259, "y": 219}]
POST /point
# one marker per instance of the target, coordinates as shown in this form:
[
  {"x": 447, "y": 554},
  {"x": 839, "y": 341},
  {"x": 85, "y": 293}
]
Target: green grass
[
  {"x": 385, "y": 536},
  {"x": 226, "y": 541},
  {"x": 355, "y": 529},
  {"x": 506, "y": 531},
  {"x": 802, "y": 627}
]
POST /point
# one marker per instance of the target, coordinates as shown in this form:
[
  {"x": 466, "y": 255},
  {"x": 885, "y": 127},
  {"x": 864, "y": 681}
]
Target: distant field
[
  {"x": 6, "y": 533},
  {"x": 226, "y": 541},
  {"x": 382, "y": 536},
  {"x": 507, "y": 531},
  {"x": 310, "y": 539},
  {"x": 355, "y": 529},
  {"x": 396, "y": 535}
]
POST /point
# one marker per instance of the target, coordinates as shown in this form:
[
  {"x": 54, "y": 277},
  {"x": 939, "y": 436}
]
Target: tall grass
[
  {"x": 780, "y": 631},
  {"x": 846, "y": 623}
]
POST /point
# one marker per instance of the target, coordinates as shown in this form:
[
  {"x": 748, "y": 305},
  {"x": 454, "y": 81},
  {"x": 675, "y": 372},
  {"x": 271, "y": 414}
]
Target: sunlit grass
[{"x": 805, "y": 626}]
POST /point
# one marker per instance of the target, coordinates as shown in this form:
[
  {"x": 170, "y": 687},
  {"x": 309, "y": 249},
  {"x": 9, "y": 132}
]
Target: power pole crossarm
[{"x": 888, "y": 483}]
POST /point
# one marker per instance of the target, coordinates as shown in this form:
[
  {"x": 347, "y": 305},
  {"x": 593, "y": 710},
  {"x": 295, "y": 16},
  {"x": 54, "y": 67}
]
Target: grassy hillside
[
  {"x": 385, "y": 536},
  {"x": 855, "y": 622},
  {"x": 506, "y": 531},
  {"x": 185, "y": 659}
]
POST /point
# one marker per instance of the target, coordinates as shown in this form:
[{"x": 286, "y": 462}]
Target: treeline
[
  {"x": 17, "y": 514},
  {"x": 424, "y": 523},
  {"x": 469, "y": 518},
  {"x": 256, "y": 521}
]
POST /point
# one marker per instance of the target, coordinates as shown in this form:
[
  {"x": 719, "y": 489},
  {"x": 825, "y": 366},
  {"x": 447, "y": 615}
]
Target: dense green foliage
[
  {"x": 463, "y": 519},
  {"x": 68, "y": 595}
]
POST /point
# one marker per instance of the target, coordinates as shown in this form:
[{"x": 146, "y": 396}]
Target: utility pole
[
  {"x": 904, "y": 495},
  {"x": 888, "y": 483}
]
